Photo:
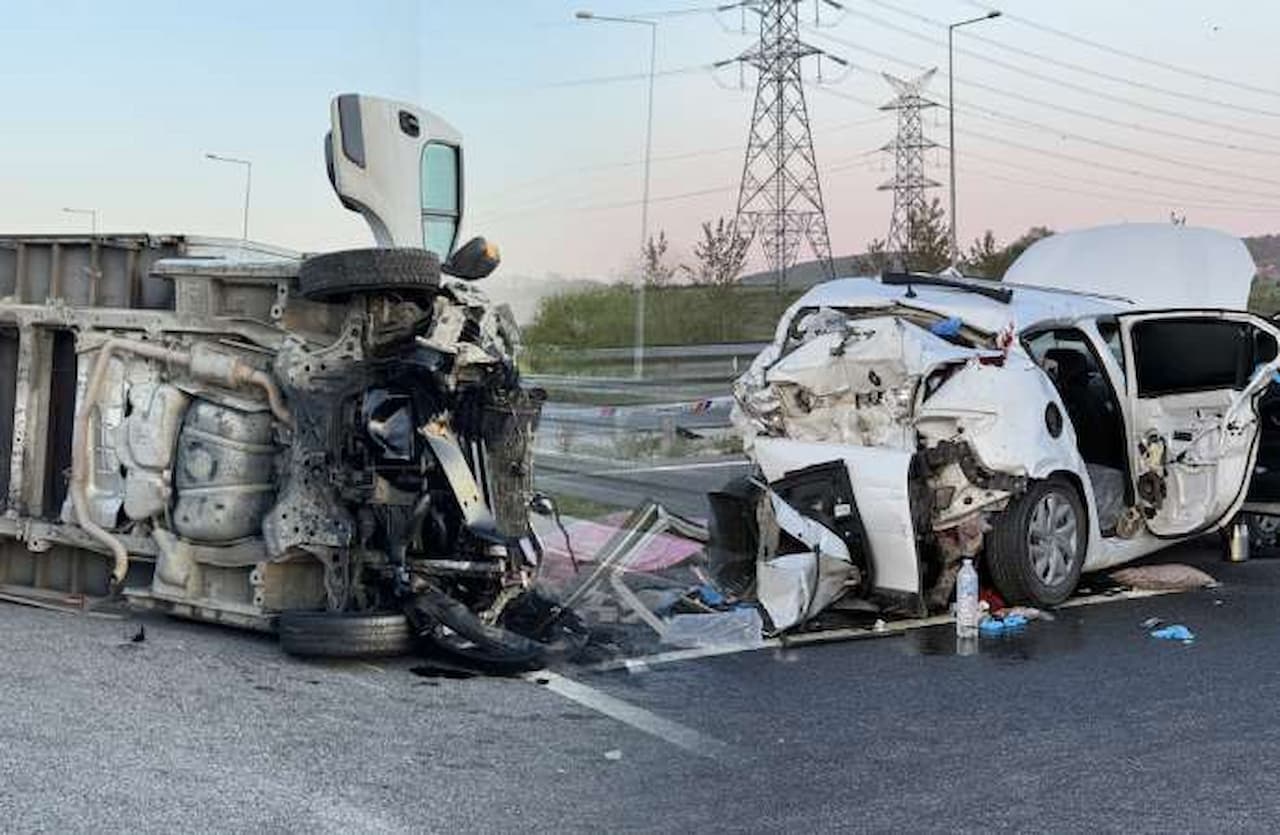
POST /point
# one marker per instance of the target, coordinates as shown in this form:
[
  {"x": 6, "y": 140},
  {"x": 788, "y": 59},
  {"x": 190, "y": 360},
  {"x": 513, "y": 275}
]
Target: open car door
[{"x": 1193, "y": 380}]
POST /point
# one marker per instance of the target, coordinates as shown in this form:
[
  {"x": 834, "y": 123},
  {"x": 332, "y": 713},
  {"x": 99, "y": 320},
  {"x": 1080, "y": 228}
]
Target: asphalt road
[{"x": 1083, "y": 724}]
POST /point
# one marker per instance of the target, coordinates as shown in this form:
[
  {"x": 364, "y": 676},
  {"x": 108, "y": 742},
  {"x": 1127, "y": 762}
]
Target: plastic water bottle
[{"x": 967, "y": 600}]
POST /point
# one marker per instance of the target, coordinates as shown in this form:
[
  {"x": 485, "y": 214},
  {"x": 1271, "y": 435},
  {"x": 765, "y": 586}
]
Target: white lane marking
[
  {"x": 641, "y": 663},
  {"x": 670, "y": 468},
  {"x": 642, "y": 720}
]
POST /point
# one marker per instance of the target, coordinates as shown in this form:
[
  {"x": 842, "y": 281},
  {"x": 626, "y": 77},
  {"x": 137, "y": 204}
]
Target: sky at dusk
[{"x": 112, "y": 105}]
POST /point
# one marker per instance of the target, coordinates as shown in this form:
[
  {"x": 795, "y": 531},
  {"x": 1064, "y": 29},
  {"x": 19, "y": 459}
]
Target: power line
[
  {"x": 1062, "y": 108},
  {"x": 1083, "y": 161},
  {"x": 841, "y": 164},
  {"x": 1144, "y": 154},
  {"x": 1173, "y": 114},
  {"x": 1122, "y": 191},
  {"x": 1113, "y": 146},
  {"x": 1182, "y": 70},
  {"x": 618, "y": 79},
  {"x": 1114, "y": 168},
  {"x": 1057, "y": 62},
  {"x": 695, "y": 154}
]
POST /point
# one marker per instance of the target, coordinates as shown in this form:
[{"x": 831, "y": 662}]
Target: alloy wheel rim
[{"x": 1053, "y": 539}]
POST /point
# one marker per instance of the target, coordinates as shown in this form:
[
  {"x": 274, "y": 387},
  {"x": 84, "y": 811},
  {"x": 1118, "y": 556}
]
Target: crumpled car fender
[{"x": 1003, "y": 412}]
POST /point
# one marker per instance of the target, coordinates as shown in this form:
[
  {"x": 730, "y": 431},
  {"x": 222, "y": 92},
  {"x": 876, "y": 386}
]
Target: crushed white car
[{"x": 902, "y": 424}]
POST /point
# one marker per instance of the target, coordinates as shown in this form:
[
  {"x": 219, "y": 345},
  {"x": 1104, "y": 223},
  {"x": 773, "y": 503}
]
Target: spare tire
[
  {"x": 344, "y": 634},
  {"x": 336, "y": 276}
]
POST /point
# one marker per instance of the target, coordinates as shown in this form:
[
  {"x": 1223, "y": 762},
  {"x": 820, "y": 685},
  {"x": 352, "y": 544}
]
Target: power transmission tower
[
  {"x": 909, "y": 181},
  {"x": 780, "y": 198}
]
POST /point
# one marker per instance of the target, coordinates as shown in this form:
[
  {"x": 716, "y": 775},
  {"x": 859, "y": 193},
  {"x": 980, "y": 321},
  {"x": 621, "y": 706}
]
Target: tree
[
  {"x": 874, "y": 261},
  {"x": 720, "y": 255},
  {"x": 929, "y": 239},
  {"x": 988, "y": 259},
  {"x": 657, "y": 272}
]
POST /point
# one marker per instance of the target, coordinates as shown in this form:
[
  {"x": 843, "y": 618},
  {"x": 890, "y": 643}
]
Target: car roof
[{"x": 1027, "y": 306}]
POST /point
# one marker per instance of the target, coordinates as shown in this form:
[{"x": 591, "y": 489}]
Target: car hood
[{"x": 1155, "y": 265}]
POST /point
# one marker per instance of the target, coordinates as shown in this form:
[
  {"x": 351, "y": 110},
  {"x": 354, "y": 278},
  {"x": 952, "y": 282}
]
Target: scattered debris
[
  {"x": 613, "y": 755},
  {"x": 439, "y": 669},
  {"x": 1026, "y": 612},
  {"x": 742, "y": 627},
  {"x": 994, "y": 626},
  {"x": 1174, "y": 632},
  {"x": 1151, "y": 623},
  {"x": 1167, "y": 577},
  {"x": 140, "y": 635}
]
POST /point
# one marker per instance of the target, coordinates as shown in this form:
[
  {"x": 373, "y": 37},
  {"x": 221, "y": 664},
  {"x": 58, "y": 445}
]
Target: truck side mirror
[{"x": 473, "y": 260}]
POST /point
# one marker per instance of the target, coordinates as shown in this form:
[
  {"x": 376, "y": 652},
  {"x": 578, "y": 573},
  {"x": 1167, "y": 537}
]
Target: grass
[{"x": 604, "y": 317}]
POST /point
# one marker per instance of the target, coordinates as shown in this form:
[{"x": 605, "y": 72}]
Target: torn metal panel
[{"x": 880, "y": 485}]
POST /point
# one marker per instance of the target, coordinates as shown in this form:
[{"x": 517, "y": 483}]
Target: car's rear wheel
[{"x": 1037, "y": 546}]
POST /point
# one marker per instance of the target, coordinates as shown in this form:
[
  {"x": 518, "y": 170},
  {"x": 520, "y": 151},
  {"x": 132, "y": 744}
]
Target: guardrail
[
  {"x": 663, "y": 363},
  {"x": 681, "y": 404}
]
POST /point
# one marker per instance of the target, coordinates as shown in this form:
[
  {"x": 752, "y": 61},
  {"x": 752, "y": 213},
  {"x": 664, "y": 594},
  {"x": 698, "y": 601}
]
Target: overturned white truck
[
  {"x": 901, "y": 424},
  {"x": 315, "y": 444}
]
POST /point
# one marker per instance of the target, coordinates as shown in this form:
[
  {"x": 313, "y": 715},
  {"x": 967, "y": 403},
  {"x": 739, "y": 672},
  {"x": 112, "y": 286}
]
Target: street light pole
[
  {"x": 248, "y": 185},
  {"x": 951, "y": 122},
  {"x": 93, "y": 217},
  {"x": 638, "y": 357}
]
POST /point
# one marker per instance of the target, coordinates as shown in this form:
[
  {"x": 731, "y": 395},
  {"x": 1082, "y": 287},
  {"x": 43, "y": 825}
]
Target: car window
[
  {"x": 1175, "y": 356},
  {"x": 1063, "y": 353}
]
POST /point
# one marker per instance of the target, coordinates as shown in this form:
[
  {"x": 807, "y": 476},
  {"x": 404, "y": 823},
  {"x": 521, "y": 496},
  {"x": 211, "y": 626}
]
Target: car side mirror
[{"x": 473, "y": 260}]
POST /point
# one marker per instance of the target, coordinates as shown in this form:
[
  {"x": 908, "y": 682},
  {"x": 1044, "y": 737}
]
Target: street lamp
[
  {"x": 648, "y": 148},
  {"x": 248, "y": 183},
  {"x": 93, "y": 217},
  {"x": 951, "y": 119}
]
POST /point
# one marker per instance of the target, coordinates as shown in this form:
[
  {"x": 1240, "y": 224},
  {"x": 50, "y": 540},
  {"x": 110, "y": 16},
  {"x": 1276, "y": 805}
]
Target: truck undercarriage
[{"x": 247, "y": 442}]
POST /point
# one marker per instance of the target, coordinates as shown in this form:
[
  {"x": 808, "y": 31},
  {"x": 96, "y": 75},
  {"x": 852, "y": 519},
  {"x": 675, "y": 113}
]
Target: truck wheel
[
  {"x": 1037, "y": 547},
  {"x": 335, "y": 276},
  {"x": 344, "y": 634}
]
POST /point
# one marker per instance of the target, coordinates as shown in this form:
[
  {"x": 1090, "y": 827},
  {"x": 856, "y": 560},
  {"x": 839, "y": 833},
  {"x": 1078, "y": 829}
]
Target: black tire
[
  {"x": 335, "y": 276},
  {"x": 1044, "y": 575},
  {"x": 456, "y": 630},
  {"x": 344, "y": 634}
]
